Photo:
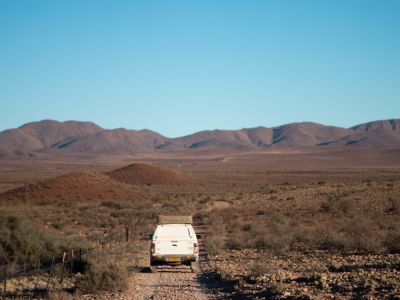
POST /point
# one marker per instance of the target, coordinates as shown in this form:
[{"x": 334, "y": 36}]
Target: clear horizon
[
  {"x": 177, "y": 67},
  {"x": 210, "y": 129}
]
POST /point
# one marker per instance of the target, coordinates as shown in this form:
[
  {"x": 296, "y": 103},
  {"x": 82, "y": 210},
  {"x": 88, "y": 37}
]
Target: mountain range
[{"x": 73, "y": 137}]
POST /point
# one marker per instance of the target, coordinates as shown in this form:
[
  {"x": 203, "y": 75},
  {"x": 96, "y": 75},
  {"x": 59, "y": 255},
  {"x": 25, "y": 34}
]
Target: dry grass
[
  {"x": 277, "y": 212},
  {"x": 21, "y": 242},
  {"x": 103, "y": 273}
]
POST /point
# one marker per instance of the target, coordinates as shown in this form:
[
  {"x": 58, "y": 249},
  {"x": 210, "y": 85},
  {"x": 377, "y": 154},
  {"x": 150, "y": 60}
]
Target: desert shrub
[
  {"x": 213, "y": 243},
  {"x": 103, "y": 274},
  {"x": 258, "y": 269},
  {"x": 354, "y": 235},
  {"x": 225, "y": 275},
  {"x": 276, "y": 234},
  {"x": 392, "y": 241},
  {"x": 345, "y": 205},
  {"x": 61, "y": 295},
  {"x": 200, "y": 217},
  {"x": 394, "y": 205},
  {"x": 329, "y": 205},
  {"x": 112, "y": 204},
  {"x": 278, "y": 239},
  {"x": 23, "y": 242},
  {"x": 246, "y": 227},
  {"x": 271, "y": 231},
  {"x": 337, "y": 205},
  {"x": 331, "y": 239},
  {"x": 363, "y": 237},
  {"x": 237, "y": 240}
]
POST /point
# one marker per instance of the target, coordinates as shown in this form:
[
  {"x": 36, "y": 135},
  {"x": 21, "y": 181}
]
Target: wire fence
[
  {"x": 51, "y": 273},
  {"x": 30, "y": 279}
]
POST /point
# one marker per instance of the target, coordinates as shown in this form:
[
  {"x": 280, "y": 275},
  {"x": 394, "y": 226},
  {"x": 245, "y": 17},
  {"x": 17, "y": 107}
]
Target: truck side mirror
[
  {"x": 149, "y": 237},
  {"x": 198, "y": 236}
]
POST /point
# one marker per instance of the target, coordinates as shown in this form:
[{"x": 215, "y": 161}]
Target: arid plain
[{"x": 283, "y": 224}]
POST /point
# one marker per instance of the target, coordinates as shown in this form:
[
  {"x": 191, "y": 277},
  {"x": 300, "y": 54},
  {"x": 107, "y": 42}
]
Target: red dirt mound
[
  {"x": 140, "y": 173},
  {"x": 73, "y": 187}
]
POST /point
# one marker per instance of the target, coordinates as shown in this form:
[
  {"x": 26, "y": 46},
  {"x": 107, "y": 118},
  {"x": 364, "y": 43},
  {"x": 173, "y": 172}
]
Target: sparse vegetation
[
  {"x": 103, "y": 273},
  {"x": 20, "y": 242},
  {"x": 296, "y": 221},
  {"x": 394, "y": 205}
]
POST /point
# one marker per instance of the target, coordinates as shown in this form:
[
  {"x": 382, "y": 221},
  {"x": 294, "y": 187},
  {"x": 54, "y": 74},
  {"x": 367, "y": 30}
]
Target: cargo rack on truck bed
[{"x": 161, "y": 220}]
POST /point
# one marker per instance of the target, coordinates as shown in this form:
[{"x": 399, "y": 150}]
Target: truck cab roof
[{"x": 175, "y": 231}]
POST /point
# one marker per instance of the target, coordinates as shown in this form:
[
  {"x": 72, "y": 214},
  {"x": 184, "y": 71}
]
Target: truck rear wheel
[
  {"x": 153, "y": 269},
  {"x": 194, "y": 266}
]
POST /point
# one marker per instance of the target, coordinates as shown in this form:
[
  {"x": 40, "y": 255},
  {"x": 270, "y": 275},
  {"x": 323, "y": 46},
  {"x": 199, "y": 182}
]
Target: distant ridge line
[{"x": 55, "y": 138}]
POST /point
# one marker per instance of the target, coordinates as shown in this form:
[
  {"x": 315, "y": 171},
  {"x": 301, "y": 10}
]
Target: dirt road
[{"x": 169, "y": 284}]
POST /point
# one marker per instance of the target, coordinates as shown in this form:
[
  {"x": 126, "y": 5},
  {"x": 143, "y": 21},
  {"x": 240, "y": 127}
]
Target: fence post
[
  {"x": 72, "y": 261},
  {"x": 37, "y": 274},
  {"x": 50, "y": 273},
  {"x": 5, "y": 280},
  {"x": 127, "y": 233},
  {"x": 62, "y": 267}
]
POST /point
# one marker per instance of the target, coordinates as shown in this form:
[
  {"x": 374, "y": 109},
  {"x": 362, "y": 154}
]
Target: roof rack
[{"x": 161, "y": 220}]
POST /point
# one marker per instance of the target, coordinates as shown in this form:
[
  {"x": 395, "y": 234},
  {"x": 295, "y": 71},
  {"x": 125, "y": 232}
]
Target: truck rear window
[{"x": 172, "y": 231}]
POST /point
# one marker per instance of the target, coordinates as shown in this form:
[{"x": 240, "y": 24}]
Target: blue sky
[{"x": 177, "y": 67}]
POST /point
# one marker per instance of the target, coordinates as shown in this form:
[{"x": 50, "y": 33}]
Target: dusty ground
[
  {"x": 316, "y": 275},
  {"x": 292, "y": 226},
  {"x": 167, "y": 284}
]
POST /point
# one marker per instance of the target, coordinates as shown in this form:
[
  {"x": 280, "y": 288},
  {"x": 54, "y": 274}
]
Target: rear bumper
[{"x": 157, "y": 260}]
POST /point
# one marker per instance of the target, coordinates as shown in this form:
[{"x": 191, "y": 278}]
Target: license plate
[{"x": 173, "y": 259}]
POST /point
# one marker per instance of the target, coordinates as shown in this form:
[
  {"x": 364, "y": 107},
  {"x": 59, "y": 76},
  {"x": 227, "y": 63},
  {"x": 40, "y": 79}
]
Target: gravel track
[{"x": 166, "y": 284}]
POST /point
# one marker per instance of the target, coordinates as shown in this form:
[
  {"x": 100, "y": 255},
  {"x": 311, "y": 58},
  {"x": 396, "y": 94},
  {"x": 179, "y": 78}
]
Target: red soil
[
  {"x": 140, "y": 173},
  {"x": 73, "y": 187}
]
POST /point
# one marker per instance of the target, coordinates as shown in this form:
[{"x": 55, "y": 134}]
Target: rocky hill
[{"x": 71, "y": 137}]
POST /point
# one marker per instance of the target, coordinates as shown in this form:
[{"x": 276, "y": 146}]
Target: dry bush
[
  {"x": 215, "y": 239},
  {"x": 200, "y": 217},
  {"x": 57, "y": 295},
  {"x": 354, "y": 235},
  {"x": 259, "y": 269},
  {"x": 236, "y": 242},
  {"x": 330, "y": 239},
  {"x": 271, "y": 231},
  {"x": 337, "y": 205},
  {"x": 392, "y": 240},
  {"x": 214, "y": 243},
  {"x": 225, "y": 275},
  {"x": 275, "y": 237},
  {"x": 112, "y": 204},
  {"x": 394, "y": 205},
  {"x": 103, "y": 274},
  {"x": 22, "y": 242},
  {"x": 363, "y": 237}
]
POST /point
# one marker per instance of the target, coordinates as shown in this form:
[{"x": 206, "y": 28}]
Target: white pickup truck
[{"x": 174, "y": 244}]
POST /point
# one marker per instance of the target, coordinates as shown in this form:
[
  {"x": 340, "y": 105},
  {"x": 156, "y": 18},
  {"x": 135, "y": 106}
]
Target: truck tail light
[
  {"x": 196, "y": 248},
  {"x": 153, "y": 248}
]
